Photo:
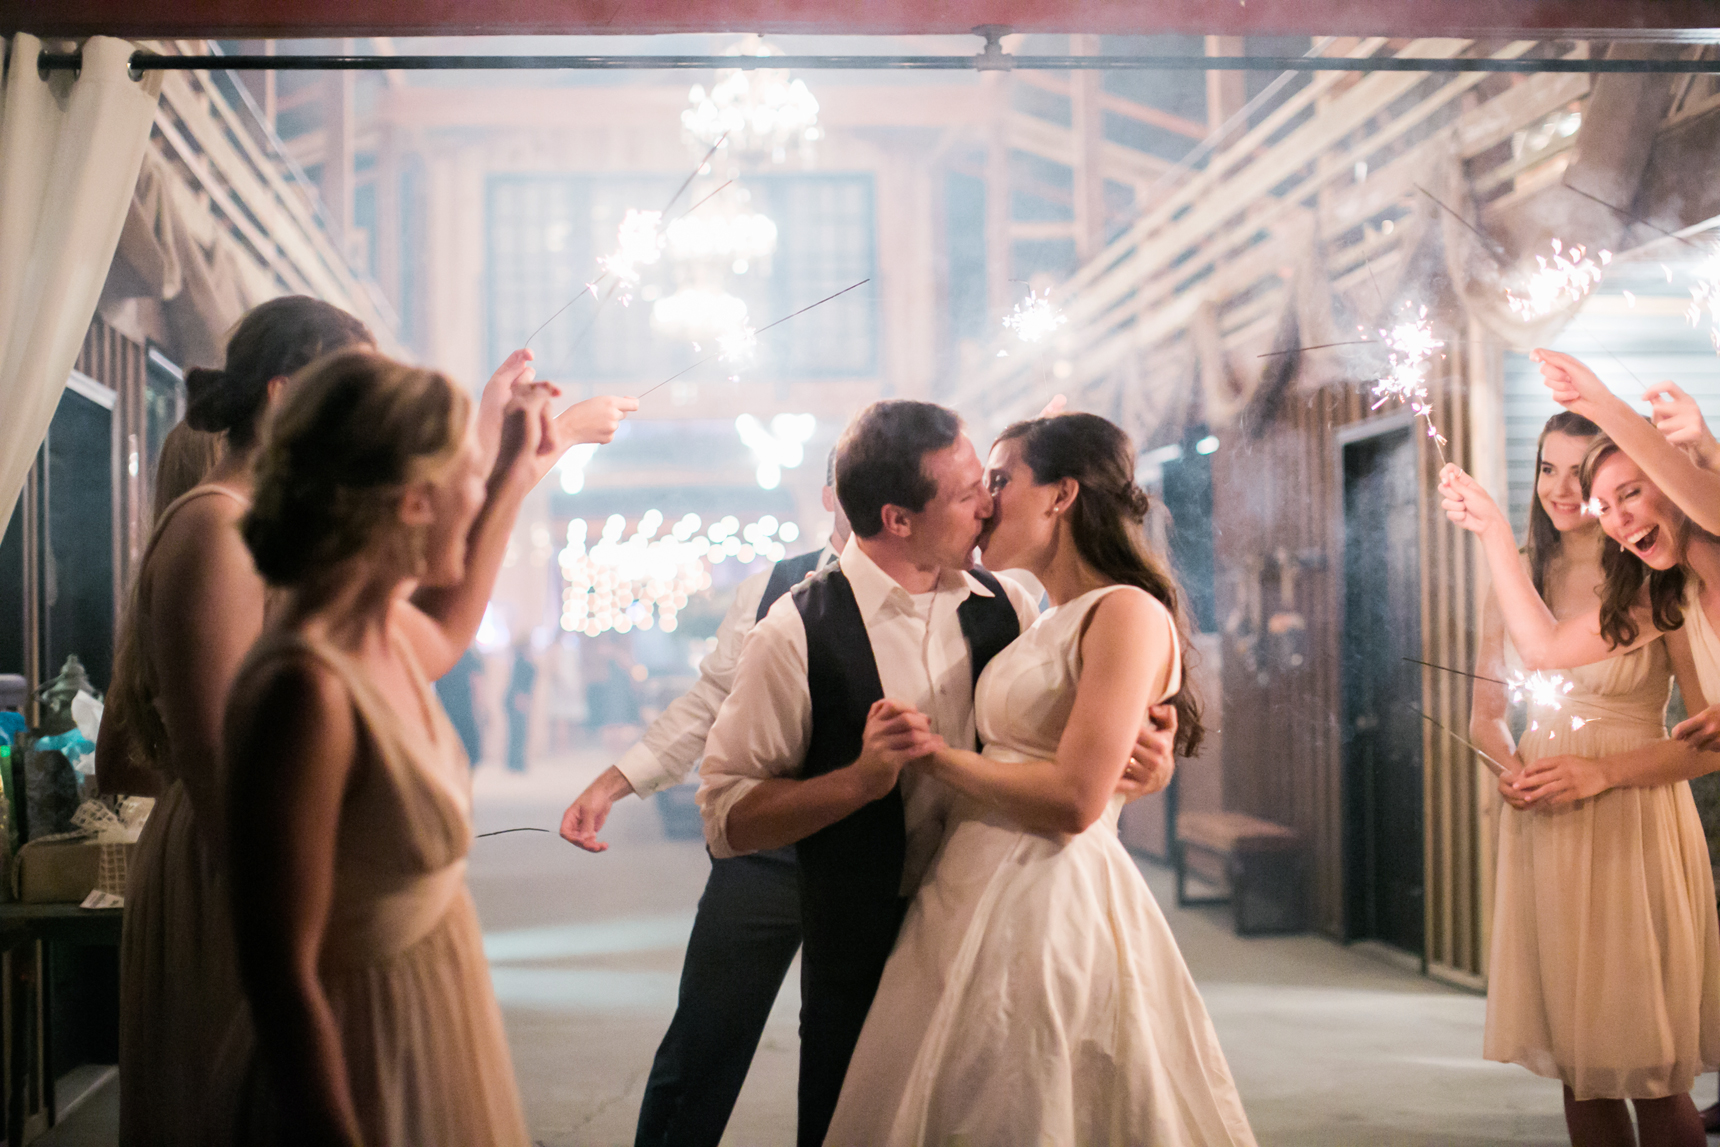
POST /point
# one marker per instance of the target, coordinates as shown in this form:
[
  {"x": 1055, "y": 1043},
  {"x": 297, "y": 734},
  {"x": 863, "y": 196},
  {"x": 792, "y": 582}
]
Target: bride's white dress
[{"x": 1036, "y": 994}]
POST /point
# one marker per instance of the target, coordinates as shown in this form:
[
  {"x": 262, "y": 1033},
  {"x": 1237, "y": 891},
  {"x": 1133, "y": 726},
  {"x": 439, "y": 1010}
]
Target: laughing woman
[{"x": 1606, "y": 952}]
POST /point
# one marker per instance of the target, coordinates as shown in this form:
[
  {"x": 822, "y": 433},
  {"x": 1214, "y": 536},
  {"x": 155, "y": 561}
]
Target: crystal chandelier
[
  {"x": 761, "y": 112},
  {"x": 724, "y": 232},
  {"x": 699, "y": 314}
]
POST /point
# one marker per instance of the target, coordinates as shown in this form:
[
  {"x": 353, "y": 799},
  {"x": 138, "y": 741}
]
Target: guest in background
[
  {"x": 522, "y": 680},
  {"x": 187, "y": 457},
  {"x": 458, "y": 689}
]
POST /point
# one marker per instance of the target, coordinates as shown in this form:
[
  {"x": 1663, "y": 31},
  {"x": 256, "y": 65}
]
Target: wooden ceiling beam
[{"x": 263, "y": 19}]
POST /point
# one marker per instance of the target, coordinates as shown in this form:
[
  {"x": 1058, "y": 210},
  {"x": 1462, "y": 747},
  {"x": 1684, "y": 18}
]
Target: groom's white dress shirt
[
  {"x": 675, "y": 741},
  {"x": 765, "y": 725}
]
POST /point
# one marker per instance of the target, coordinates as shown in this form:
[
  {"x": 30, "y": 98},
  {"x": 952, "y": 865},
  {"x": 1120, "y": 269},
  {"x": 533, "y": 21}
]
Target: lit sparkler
[
  {"x": 1540, "y": 689},
  {"x": 1412, "y": 345},
  {"x": 1562, "y": 280},
  {"x": 639, "y": 243},
  {"x": 1705, "y": 294},
  {"x": 1035, "y": 317}
]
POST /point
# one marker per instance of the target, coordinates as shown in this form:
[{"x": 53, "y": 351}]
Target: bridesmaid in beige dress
[
  {"x": 1605, "y": 969},
  {"x": 348, "y": 799},
  {"x": 196, "y": 606}
]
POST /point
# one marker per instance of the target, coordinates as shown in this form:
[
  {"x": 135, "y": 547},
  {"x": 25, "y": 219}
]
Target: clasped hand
[
  {"x": 1552, "y": 782},
  {"x": 897, "y": 735}
]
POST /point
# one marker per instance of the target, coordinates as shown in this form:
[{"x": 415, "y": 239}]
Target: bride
[{"x": 1035, "y": 994}]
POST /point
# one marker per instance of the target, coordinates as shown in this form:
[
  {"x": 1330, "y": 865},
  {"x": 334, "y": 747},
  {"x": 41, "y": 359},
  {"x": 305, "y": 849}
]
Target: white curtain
[{"x": 70, "y": 148}]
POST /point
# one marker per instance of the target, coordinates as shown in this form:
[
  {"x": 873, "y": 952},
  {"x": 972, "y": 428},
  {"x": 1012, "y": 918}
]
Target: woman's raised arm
[{"x": 1693, "y": 489}]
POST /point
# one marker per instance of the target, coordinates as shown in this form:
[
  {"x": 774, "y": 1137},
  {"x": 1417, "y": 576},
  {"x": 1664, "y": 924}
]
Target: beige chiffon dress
[
  {"x": 402, "y": 963},
  {"x": 1605, "y": 962},
  {"x": 179, "y": 989}
]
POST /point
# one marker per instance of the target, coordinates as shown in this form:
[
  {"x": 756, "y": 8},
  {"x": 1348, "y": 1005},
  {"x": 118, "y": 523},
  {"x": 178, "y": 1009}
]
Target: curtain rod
[{"x": 984, "y": 62}]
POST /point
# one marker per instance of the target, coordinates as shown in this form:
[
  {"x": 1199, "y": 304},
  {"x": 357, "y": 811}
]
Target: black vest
[
  {"x": 851, "y": 872},
  {"x": 784, "y": 576}
]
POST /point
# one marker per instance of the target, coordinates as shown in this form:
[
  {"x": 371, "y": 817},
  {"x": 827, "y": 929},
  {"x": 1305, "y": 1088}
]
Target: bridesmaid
[
  {"x": 1605, "y": 968},
  {"x": 197, "y": 605},
  {"x": 1680, "y": 460},
  {"x": 348, "y": 792}
]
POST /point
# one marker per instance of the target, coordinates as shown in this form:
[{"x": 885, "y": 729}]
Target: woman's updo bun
[
  {"x": 274, "y": 340},
  {"x": 354, "y": 430}
]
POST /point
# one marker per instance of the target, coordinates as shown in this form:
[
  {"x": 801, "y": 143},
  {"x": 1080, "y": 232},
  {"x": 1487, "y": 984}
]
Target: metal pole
[{"x": 149, "y": 61}]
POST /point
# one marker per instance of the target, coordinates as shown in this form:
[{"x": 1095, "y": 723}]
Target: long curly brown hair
[
  {"x": 1105, "y": 522},
  {"x": 1626, "y": 574}
]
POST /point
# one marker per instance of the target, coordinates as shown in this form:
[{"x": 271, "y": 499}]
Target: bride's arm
[{"x": 1126, "y": 654}]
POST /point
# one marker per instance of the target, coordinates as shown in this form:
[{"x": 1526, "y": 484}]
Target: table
[{"x": 27, "y": 931}]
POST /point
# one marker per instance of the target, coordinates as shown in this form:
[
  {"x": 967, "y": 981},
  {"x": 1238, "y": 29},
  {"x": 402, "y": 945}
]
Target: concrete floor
[{"x": 1331, "y": 1047}]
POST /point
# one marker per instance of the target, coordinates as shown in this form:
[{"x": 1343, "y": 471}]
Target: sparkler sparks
[
  {"x": 1540, "y": 689},
  {"x": 1412, "y": 345},
  {"x": 639, "y": 242},
  {"x": 1035, "y": 317},
  {"x": 1705, "y": 294},
  {"x": 1562, "y": 280}
]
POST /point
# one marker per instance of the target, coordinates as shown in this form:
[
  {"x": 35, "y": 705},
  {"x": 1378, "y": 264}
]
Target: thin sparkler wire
[
  {"x": 1634, "y": 218},
  {"x": 1508, "y": 685},
  {"x": 1316, "y": 346},
  {"x": 1465, "y": 742},
  {"x": 505, "y": 831},
  {"x": 759, "y": 331},
  {"x": 1492, "y": 244},
  {"x": 591, "y": 287}
]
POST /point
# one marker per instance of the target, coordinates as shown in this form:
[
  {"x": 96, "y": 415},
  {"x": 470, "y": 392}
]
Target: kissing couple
[{"x": 983, "y": 962}]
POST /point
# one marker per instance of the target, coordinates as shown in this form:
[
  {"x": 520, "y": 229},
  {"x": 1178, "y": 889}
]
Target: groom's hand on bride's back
[
  {"x": 896, "y": 733},
  {"x": 1154, "y": 760}
]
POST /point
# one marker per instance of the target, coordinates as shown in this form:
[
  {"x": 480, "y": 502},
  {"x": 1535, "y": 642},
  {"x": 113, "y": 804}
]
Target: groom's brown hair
[{"x": 880, "y": 459}]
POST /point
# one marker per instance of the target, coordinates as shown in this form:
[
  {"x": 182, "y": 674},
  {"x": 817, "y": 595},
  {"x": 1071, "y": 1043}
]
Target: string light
[
  {"x": 642, "y": 580},
  {"x": 781, "y": 447}
]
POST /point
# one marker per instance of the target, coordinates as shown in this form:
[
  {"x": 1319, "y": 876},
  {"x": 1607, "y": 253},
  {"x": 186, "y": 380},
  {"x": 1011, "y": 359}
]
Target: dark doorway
[{"x": 1383, "y": 889}]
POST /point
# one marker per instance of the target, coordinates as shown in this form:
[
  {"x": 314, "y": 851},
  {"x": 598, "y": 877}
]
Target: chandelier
[
  {"x": 700, "y": 314},
  {"x": 762, "y": 112}
]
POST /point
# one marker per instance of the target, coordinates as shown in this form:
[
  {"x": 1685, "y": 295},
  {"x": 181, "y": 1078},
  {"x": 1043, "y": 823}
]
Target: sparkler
[
  {"x": 1552, "y": 682},
  {"x": 1316, "y": 346},
  {"x": 673, "y": 199},
  {"x": 1542, "y": 690},
  {"x": 1705, "y": 294},
  {"x": 750, "y": 337},
  {"x": 1412, "y": 346},
  {"x": 1492, "y": 244},
  {"x": 1487, "y": 758},
  {"x": 1562, "y": 280},
  {"x": 1035, "y": 317}
]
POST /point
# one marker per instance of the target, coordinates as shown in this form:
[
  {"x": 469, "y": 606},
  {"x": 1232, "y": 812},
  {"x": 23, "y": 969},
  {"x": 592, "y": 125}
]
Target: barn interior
[{"x": 1222, "y": 227}]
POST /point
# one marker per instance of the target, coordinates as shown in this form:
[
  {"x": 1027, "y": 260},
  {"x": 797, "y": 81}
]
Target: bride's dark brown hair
[
  {"x": 1105, "y": 522},
  {"x": 1626, "y": 574}
]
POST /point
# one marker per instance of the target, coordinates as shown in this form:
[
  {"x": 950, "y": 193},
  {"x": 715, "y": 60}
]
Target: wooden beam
[
  {"x": 258, "y": 19},
  {"x": 1226, "y": 92},
  {"x": 1087, "y": 137}
]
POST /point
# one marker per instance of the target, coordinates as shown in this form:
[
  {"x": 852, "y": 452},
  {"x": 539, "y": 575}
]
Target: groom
[{"x": 861, "y": 669}]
